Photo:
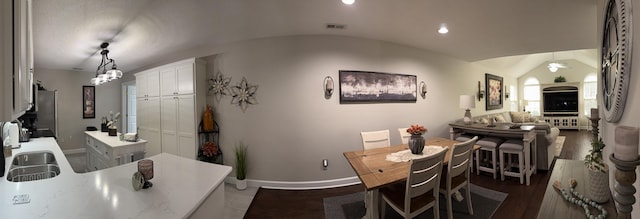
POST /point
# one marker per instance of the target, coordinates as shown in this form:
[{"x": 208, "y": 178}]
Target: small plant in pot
[
  {"x": 241, "y": 166},
  {"x": 560, "y": 79},
  {"x": 598, "y": 172}
]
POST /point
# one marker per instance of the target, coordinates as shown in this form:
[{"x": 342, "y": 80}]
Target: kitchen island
[{"x": 182, "y": 188}]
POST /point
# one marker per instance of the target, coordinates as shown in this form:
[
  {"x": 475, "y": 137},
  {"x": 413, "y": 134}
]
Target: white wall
[
  {"x": 69, "y": 85},
  {"x": 293, "y": 127}
]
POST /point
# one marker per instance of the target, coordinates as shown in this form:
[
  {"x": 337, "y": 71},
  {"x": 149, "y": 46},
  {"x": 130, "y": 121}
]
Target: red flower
[{"x": 416, "y": 130}]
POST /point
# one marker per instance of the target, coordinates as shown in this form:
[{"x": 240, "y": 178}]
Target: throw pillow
[
  {"x": 484, "y": 120},
  {"x": 520, "y": 117},
  {"x": 500, "y": 118}
]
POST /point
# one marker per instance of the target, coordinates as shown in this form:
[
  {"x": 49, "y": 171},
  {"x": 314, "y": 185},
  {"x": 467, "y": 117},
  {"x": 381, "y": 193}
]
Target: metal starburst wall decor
[
  {"x": 219, "y": 86},
  {"x": 244, "y": 94}
]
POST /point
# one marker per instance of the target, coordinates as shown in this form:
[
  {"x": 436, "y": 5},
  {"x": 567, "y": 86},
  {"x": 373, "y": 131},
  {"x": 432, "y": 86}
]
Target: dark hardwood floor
[{"x": 522, "y": 201}]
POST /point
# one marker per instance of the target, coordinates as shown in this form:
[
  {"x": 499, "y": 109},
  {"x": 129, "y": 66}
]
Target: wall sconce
[
  {"x": 328, "y": 86},
  {"x": 423, "y": 89},
  {"x": 506, "y": 92},
  {"x": 480, "y": 92}
]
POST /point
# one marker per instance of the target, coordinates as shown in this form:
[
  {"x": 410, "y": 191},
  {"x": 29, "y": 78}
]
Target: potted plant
[
  {"x": 113, "y": 130},
  {"x": 241, "y": 166},
  {"x": 560, "y": 79},
  {"x": 598, "y": 172}
]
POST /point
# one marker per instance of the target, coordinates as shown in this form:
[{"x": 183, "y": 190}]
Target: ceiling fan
[{"x": 554, "y": 66}]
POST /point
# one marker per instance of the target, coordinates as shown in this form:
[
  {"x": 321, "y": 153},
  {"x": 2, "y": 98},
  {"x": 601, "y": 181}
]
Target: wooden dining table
[{"x": 375, "y": 171}]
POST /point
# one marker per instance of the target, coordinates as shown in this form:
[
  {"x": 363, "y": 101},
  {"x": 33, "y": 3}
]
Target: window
[
  {"x": 532, "y": 96},
  {"x": 590, "y": 90}
]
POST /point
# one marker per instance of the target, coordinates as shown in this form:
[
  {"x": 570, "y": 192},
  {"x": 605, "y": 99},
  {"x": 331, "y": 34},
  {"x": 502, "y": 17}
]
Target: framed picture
[
  {"x": 494, "y": 91},
  {"x": 363, "y": 86},
  {"x": 88, "y": 102}
]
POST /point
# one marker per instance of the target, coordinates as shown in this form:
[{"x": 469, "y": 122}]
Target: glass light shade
[
  {"x": 103, "y": 78},
  {"x": 467, "y": 101},
  {"x": 553, "y": 69},
  {"x": 95, "y": 81},
  {"x": 114, "y": 74}
]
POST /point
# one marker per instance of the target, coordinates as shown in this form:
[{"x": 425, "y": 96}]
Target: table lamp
[
  {"x": 467, "y": 102},
  {"x": 524, "y": 104}
]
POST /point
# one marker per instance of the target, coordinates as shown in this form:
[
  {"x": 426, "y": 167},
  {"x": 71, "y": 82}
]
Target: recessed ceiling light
[
  {"x": 348, "y": 2},
  {"x": 443, "y": 29}
]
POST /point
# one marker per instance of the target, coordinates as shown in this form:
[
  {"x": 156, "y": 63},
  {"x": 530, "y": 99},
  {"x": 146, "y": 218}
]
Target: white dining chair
[
  {"x": 375, "y": 139},
  {"x": 371, "y": 140},
  {"x": 420, "y": 192},
  {"x": 457, "y": 174},
  {"x": 404, "y": 135}
]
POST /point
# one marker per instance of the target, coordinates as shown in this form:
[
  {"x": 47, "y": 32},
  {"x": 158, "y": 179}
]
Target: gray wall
[
  {"x": 632, "y": 107},
  {"x": 69, "y": 85},
  {"x": 293, "y": 127}
]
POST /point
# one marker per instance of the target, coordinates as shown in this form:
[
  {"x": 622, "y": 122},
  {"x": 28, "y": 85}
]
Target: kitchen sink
[
  {"x": 33, "y": 166},
  {"x": 34, "y": 158},
  {"x": 32, "y": 173}
]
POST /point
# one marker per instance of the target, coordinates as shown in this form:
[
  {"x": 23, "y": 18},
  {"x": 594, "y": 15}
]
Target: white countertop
[
  {"x": 113, "y": 141},
  {"x": 179, "y": 187}
]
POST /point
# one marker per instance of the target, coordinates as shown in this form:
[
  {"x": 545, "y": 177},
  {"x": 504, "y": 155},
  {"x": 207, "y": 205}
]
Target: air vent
[{"x": 336, "y": 26}]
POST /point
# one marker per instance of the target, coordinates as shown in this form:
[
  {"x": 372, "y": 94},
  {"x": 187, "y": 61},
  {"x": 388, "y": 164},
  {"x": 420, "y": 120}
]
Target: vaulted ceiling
[{"x": 67, "y": 33}]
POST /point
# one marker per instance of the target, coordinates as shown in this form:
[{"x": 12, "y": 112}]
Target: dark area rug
[{"x": 485, "y": 202}]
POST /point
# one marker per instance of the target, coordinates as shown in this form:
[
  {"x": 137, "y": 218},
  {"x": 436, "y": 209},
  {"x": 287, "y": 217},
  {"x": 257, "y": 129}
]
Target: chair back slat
[
  {"x": 375, "y": 139},
  {"x": 460, "y": 157},
  {"x": 424, "y": 174},
  {"x": 404, "y": 135}
]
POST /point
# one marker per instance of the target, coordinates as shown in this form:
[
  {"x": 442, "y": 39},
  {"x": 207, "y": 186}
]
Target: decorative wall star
[
  {"x": 244, "y": 94},
  {"x": 219, "y": 86}
]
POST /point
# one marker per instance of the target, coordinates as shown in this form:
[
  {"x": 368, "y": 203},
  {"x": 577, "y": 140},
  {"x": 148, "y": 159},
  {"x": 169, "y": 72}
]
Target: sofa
[{"x": 546, "y": 133}]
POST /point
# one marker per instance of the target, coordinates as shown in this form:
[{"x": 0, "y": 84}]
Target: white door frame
[{"x": 125, "y": 106}]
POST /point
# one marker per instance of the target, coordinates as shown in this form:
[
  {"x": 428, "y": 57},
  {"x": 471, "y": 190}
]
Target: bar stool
[
  {"x": 488, "y": 144},
  {"x": 512, "y": 147}
]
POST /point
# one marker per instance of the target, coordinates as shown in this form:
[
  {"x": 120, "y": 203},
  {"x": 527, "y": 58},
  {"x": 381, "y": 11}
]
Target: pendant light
[{"x": 102, "y": 74}]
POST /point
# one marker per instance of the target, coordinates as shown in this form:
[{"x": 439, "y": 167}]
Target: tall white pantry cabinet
[{"x": 170, "y": 101}]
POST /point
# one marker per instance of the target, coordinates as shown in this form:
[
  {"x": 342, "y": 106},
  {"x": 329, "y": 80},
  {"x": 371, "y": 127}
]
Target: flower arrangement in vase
[
  {"x": 113, "y": 130},
  {"x": 416, "y": 142}
]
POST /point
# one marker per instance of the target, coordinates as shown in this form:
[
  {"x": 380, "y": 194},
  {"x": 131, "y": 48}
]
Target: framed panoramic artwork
[
  {"x": 88, "y": 102},
  {"x": 494, "y": 91},
  {"x": 364, "y": 86}
]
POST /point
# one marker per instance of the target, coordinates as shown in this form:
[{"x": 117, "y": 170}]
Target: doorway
[{"x": 129, "y": 106}]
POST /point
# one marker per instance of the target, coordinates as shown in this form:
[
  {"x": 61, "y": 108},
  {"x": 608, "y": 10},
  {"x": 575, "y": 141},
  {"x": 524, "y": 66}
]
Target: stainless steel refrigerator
[{"x": 47, "y": 111}]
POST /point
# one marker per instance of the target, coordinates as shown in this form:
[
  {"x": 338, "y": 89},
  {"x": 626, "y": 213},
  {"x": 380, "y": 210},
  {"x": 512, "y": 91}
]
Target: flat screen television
[{"x": 561, "y": 102}]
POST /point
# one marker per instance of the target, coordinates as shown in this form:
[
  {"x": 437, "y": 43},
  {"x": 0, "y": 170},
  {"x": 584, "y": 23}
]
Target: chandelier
[{"x": 102, "y": 74}]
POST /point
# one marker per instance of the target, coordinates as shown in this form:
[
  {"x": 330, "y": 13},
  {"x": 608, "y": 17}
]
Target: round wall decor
[{"x": 616, "y": 58}]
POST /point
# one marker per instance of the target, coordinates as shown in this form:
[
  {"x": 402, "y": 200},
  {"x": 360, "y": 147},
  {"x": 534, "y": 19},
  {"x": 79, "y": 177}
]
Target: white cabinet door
[
  {"x": 148, "y": 84},
  {"x": 187, "y": 146},
  {"x": 153, "y": 138},
  {"x": 177, "y": 80},
  {"x": 168, "y": 81},
  {"x": 178, "y": 126},
  {"x": 187, "y": 127},
  {"x": 169, "y": 114},
  {"x": 186, "y": 112},
  {"x": 141, "y": 85},
  {"x": 184, "y": 78}
]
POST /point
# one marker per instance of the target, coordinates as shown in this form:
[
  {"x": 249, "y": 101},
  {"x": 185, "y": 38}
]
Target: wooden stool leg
[{"x": 502, "y": 165}]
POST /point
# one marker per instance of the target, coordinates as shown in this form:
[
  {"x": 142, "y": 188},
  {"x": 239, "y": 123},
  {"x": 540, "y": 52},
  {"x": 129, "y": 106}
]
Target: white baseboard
[
  {"x": 75, "y": 151},
  {"x": 305, "y": 185}
]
